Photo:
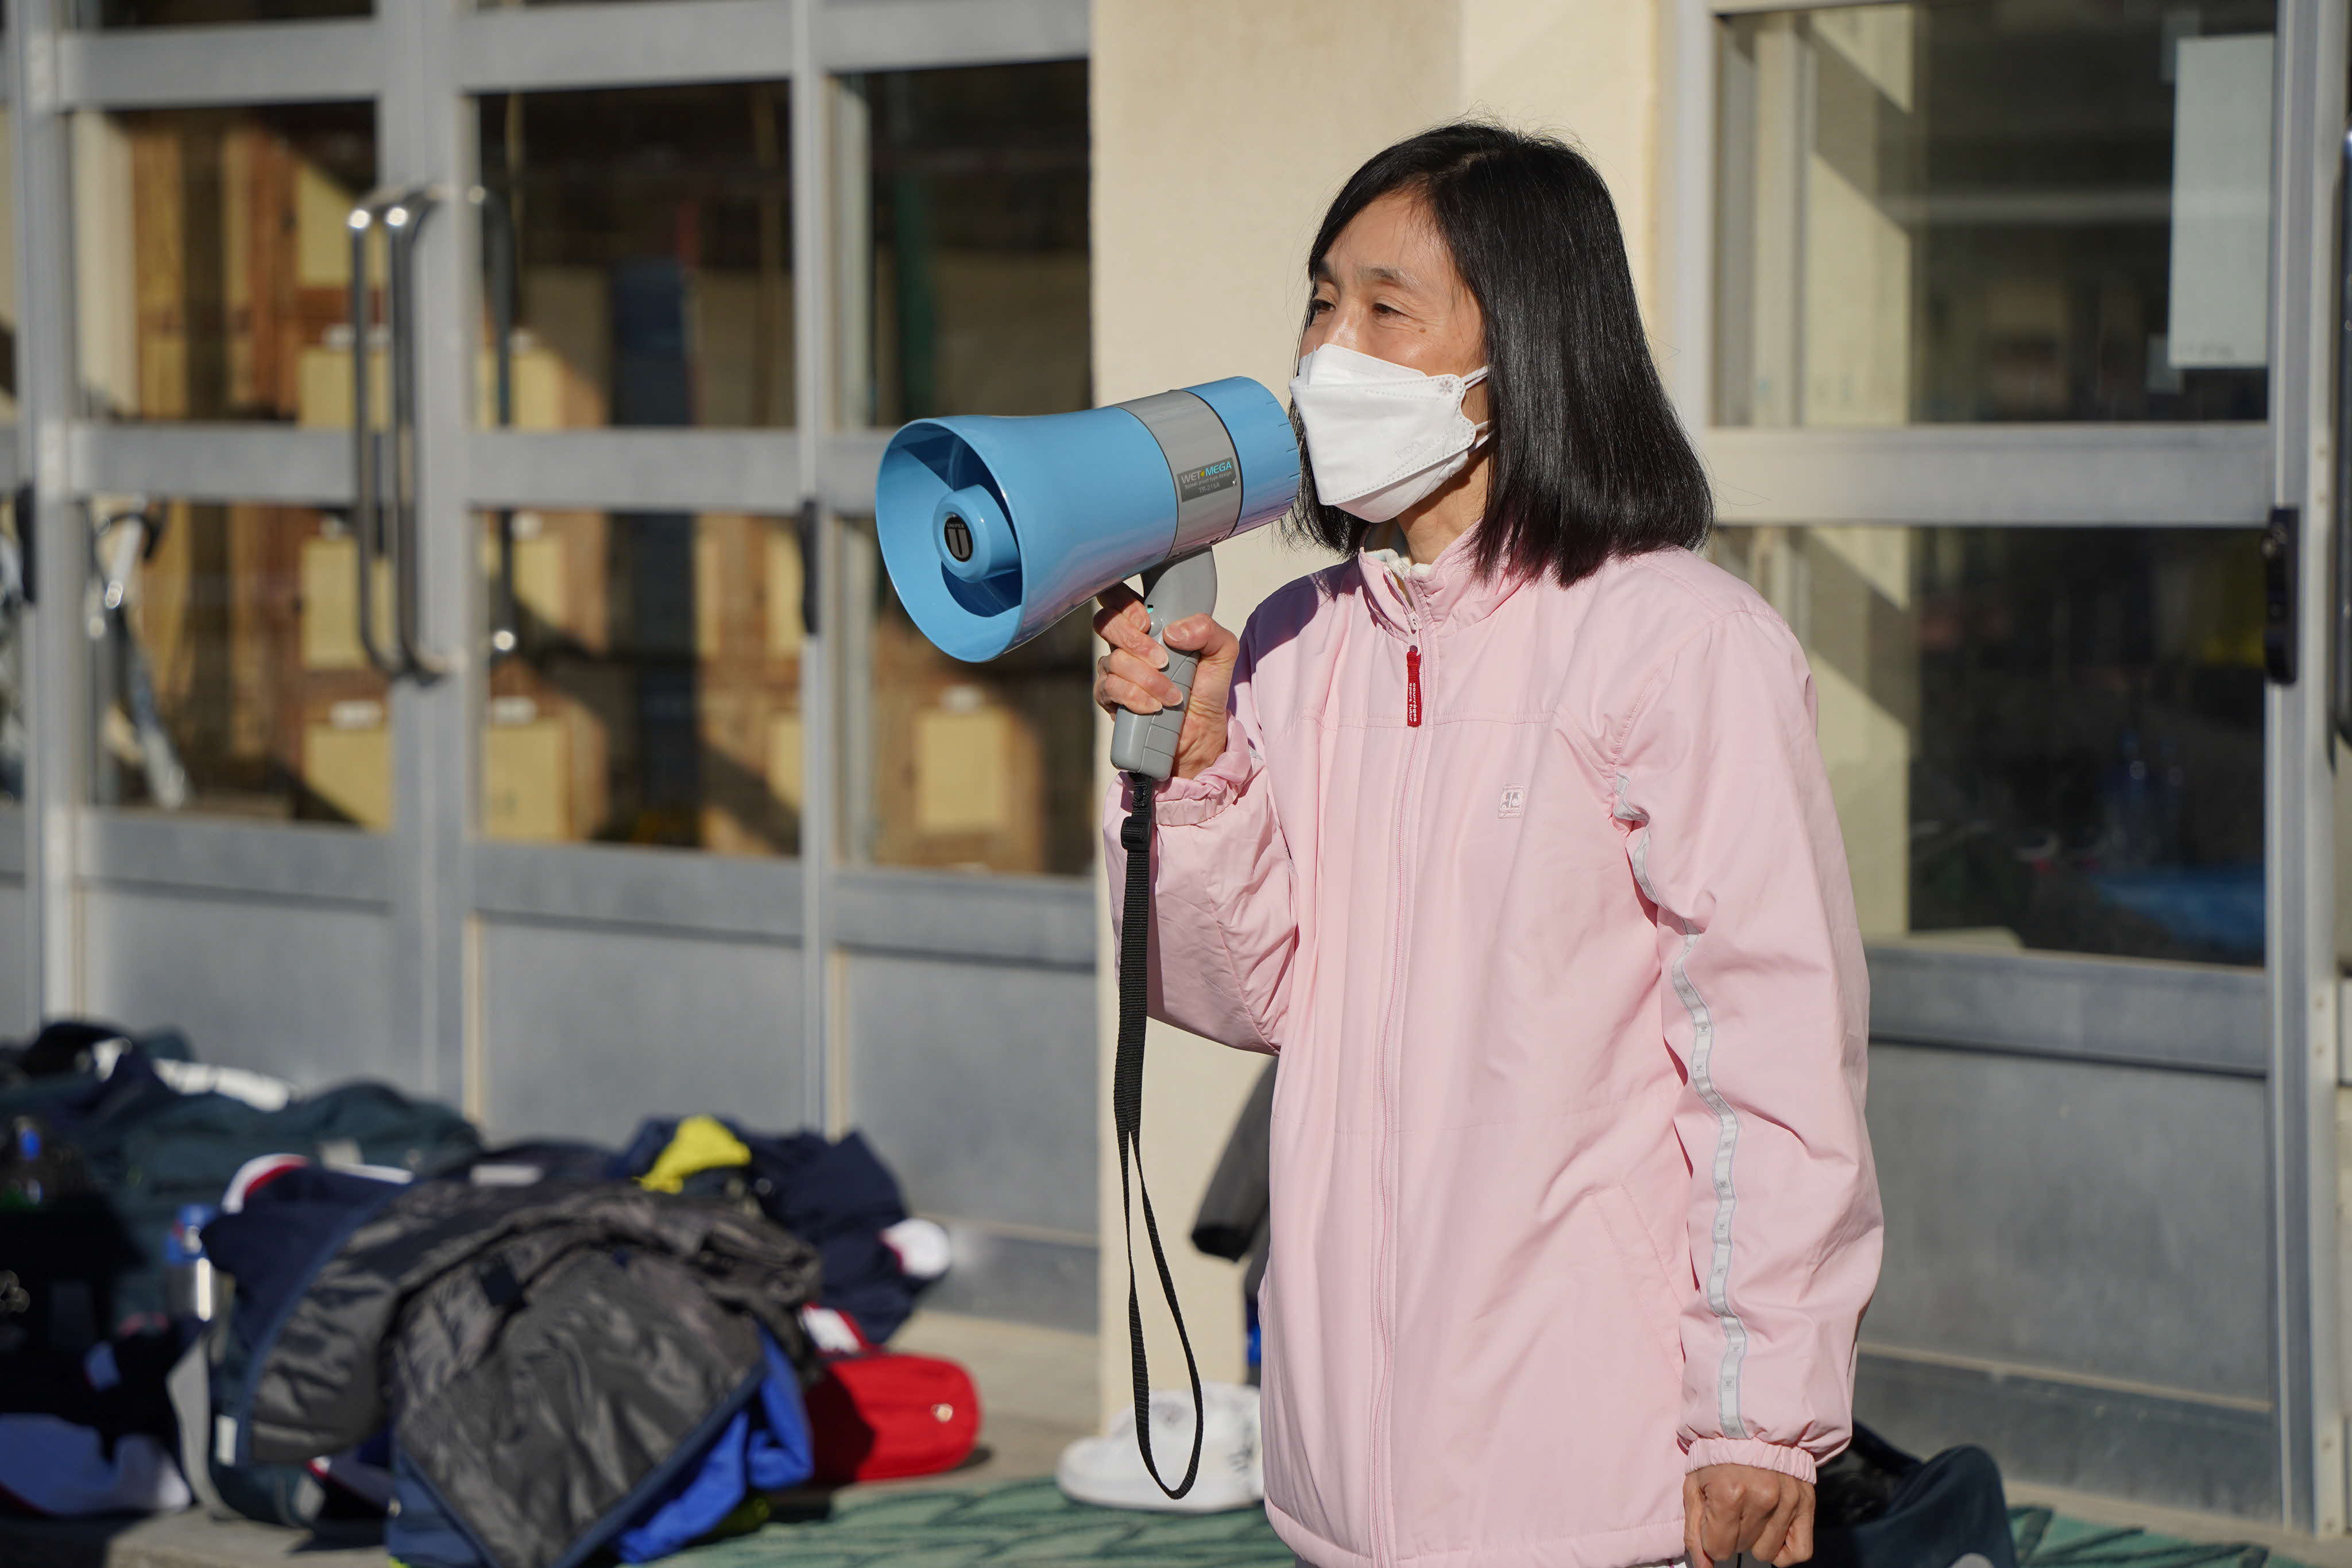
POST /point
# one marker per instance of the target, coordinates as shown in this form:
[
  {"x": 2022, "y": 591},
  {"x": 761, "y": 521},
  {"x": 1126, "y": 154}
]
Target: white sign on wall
[{"x": 2222, "y": 202}]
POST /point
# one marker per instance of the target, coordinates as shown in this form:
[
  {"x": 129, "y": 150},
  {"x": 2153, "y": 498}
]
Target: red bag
[{"x": 884, "y": 1416}]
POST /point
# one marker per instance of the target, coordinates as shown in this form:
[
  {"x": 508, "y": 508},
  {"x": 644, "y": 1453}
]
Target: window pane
[
  {"x": 2092, "y": 777},
  {"x": 652, "y": 694},
  {"x": 1980, "y": 212},
  {"x": 215, "y": 263},
  {"x": 964, "y": 216},
  {"x": 970, "y": 767},
  {"x": 230, "y": 680},
  {"x": 653, "y": 278},
  {"x": 202, "y": 12}
]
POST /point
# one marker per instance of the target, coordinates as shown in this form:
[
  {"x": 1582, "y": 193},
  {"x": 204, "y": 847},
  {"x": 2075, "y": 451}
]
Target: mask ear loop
[{"x": 1484, "y": 427}]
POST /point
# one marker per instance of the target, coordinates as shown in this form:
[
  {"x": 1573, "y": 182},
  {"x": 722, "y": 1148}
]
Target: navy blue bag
[{"x": 1878, "y": 1507}]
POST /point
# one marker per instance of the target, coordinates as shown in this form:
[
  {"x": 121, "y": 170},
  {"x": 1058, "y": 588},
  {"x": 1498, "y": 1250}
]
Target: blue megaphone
[{"x": 994, "y": 528}]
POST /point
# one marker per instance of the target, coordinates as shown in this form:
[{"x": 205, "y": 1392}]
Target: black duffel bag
[{"x": 1878, "y": 1507}]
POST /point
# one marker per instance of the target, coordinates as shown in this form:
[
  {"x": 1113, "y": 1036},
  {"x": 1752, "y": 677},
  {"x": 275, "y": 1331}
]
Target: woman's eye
[{"x": 1317, "y": 307}]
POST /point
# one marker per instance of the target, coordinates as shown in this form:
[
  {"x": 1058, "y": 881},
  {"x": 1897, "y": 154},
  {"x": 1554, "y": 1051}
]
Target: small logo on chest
[{"x": 1515, "y": 801}]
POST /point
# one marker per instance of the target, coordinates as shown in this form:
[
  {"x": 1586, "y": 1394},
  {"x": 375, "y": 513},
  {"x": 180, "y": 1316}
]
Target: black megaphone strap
[{"x": 1135, "y": 836}]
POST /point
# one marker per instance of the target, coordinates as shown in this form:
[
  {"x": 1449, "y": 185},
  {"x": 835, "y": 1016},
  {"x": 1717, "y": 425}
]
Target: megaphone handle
[{"x": 1182, "y": 586}]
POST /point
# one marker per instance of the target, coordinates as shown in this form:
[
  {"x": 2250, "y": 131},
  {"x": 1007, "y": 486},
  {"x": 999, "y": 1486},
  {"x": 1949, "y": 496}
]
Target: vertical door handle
[
  {"x": 384, "y": 468},
  {"x": 28, "y": 539},
  {"x": 2281, "y": 553},
  {"x": 805, "y": 527},
  {"x": 403, "y": 218},
  {"x": 369, "y": 524},
  {"x": 499, "y": 250}
]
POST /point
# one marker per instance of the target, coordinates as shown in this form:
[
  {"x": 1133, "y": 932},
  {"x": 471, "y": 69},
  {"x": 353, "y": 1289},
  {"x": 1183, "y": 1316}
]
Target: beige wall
[
  {"x": 1222, "y": 128},
  {"x": 1590, "y": 70}
]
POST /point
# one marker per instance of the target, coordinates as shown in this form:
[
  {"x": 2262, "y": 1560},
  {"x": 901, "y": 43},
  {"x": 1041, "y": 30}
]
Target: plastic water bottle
[{"x": 188, "y": 1281}]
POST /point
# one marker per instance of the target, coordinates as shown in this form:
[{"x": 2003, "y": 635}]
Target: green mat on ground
[
  {"x": 2046, "y": 1540},
  {"x": 1031, "y": 1523},
  {"x": 1028, "y": 1523}
]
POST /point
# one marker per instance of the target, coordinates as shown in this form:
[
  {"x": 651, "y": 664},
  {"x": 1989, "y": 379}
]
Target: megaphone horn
[{"x": 993, "y": 529}]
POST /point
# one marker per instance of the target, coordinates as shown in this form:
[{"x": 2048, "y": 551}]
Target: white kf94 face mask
[{"x": 1380, "y": 436}]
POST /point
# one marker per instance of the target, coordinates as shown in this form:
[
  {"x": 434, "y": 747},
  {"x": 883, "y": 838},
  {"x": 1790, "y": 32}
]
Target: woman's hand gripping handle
[{"x": 1168, "y": 692}]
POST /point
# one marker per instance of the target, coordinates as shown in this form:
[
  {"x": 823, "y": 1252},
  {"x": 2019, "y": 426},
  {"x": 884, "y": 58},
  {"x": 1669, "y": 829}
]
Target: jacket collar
[{"x": 1448, "y": 594}]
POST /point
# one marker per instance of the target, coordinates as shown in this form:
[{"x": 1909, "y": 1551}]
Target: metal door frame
[{"x": 2082, "y": 475}]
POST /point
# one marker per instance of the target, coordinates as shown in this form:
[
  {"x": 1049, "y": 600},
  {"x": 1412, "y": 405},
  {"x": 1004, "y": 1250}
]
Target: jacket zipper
[{"x": 1382, "y": 1498}]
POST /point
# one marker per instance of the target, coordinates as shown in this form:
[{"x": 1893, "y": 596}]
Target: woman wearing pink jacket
[{"x": 1510, "y": 833}]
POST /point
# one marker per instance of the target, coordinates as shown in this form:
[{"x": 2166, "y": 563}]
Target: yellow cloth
[{"x": 701, "y": 1143}]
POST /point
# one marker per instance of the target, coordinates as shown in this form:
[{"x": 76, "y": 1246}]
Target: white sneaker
[{"x": 1108, "y": 1470}]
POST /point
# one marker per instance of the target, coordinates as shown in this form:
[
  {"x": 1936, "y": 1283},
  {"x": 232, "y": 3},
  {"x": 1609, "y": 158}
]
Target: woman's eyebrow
[{"x": 1323, "y": 273}]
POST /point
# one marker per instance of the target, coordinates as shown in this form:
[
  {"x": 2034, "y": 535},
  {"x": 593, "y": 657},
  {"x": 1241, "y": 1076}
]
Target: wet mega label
[{"x": 1206, "y": 480}]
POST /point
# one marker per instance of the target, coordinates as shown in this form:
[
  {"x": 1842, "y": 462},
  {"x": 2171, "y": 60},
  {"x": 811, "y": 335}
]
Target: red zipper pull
[{"x": 1412, "y": 688}]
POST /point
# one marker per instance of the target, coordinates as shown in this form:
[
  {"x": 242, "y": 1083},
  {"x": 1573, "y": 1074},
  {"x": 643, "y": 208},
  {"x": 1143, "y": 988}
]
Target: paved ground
[{"x": 1037, "y": 1392}]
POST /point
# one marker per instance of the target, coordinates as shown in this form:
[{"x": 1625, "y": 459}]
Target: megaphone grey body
[{"x": 993, "y": 529}]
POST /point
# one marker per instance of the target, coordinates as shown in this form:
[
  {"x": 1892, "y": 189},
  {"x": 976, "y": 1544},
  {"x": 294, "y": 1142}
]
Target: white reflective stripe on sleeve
[
  {"x": 1727, "y": 1131},
  {"x": 1626, "y": 813}
]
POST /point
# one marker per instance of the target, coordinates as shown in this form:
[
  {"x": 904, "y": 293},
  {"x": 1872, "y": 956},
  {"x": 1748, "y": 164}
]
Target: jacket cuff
[
  {"x": 1189, "y": 802},
  {"x": 1749, "y": 1451}
]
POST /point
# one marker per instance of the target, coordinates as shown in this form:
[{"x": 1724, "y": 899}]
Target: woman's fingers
[
  {"x": 1123, "y": 622},
  {"x": 1757, "y": 1500},
  {"x": 1693, "y": 1505},
  {"x": 1202, "y": 634},
  {"x": 1800, "y": 1548},
  {"x": 1771, "y": 1540},
  {"x": 1736, "y": 1507},
  {"x": 1730, "y": 1508},
  {"x": 1133, "y": 674},
  {"x": 1720, "y": 1520},
  {"x": 1123, "y": 680}
]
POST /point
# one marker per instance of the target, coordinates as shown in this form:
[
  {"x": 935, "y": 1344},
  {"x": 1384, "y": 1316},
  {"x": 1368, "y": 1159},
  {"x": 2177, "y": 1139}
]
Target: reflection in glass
[
  {"x": 13, "y": 736},
  {"x": 1988, "y": 211},
  {"x": 2037, "y": 737},
  {"x": 653, "y": 230},
  {"x": 653, "y": 693},
  {"x": 227, "y": 665},
  {"x": 205, "y": 13},
  {"x": 962, "y": 209},
  {"x": 7, "y": 269},
  {"x": 969, "y": 766},
  {"x": 213, "y": 267}
]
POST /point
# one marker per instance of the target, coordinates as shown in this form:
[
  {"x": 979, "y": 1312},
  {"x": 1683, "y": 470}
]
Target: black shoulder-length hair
[{"x": 1589, "y": 461}]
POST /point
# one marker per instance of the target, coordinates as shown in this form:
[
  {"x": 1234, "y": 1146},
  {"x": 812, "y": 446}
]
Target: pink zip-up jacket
[{"x": 1540, "y": 893}]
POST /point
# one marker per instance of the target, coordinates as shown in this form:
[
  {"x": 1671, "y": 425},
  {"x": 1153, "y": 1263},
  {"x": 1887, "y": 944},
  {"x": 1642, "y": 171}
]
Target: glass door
[
  {"x": 2010, "y": 333},
  {"x": 453, "y": 653},
  {"x": 218, "y": 766},
  {"x": 18, "y": 969},
  {"x": 377, "y": 733}
]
